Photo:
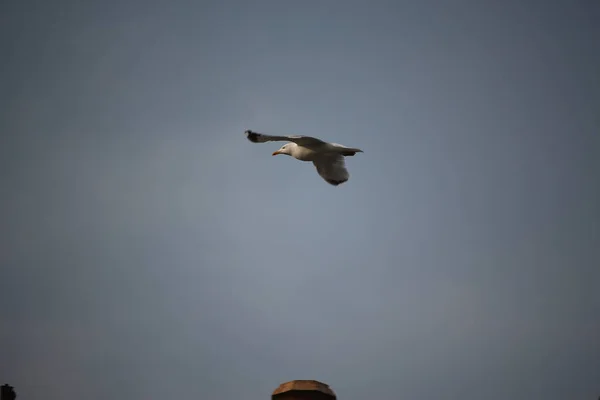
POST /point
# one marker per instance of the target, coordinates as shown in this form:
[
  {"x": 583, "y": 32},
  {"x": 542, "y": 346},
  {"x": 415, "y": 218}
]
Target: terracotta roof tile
[{"x": 304, "y": 385}]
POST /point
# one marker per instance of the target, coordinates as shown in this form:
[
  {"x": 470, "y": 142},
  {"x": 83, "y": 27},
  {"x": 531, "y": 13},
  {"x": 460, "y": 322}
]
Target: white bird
[{"x": 328, "y": 158}]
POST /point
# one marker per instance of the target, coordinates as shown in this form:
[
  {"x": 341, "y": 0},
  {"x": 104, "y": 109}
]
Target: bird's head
[{"x": 285, "y": 149}]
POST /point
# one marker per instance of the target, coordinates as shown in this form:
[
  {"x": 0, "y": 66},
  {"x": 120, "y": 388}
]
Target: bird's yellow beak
[{"x": 275, "y": 153}]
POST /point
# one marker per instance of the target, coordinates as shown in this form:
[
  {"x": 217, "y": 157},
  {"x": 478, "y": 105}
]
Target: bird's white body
[
  {"x": 307, "y": 153},
  {"x": 328, "y": 158}
]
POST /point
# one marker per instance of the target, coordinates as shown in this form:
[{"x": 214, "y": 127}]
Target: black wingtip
[
  {"x": 252, "y": 136},
  {"x": 334, "y": 182}
]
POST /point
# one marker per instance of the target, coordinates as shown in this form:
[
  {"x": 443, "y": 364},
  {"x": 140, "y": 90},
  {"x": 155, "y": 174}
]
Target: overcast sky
[{"x": 148, "y": 250}]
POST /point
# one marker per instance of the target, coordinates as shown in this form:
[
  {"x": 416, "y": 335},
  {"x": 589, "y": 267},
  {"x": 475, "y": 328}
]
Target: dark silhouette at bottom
[
  {"x": 303, "y": 390},
  {"x": 7, "y": 392}
]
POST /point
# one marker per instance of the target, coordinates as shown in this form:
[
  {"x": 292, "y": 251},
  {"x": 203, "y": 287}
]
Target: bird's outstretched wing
[
  {"x": 332, "y": 168},
  {"x": 256, "y": 137}
]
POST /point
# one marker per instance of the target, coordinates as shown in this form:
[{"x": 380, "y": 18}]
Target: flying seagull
[{"x": 328, "y": 158}]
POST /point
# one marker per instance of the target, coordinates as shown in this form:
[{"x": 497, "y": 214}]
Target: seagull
[{"x": 328, "y": 158}]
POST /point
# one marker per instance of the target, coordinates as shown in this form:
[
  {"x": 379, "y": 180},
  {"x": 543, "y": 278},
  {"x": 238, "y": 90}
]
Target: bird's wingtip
[
  {"x": 252, "y": 136},
  {"x": 336, "y": 182}
]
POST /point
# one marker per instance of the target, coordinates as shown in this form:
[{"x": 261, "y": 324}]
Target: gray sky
[{"x": 149, "y": 249}]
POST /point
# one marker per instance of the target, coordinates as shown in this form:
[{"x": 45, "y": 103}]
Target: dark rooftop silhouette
[{"x": 303, "y": 390}]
